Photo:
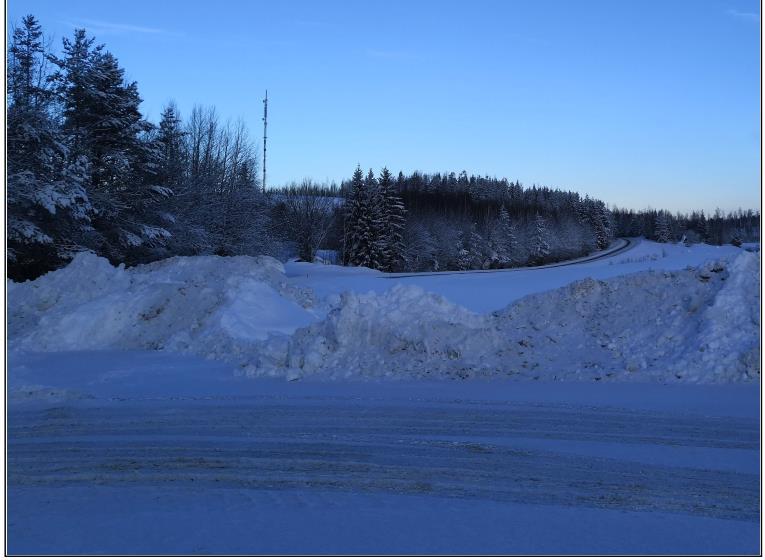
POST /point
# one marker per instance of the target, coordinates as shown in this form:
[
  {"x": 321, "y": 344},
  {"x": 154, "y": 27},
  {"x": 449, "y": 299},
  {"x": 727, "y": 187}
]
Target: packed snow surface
[
  {"x": 170, "y": 454},
  {"x": 682, "y": 324}
]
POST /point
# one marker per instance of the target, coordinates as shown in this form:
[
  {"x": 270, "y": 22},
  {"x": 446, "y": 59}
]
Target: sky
[{"x": 640, "y": 103}]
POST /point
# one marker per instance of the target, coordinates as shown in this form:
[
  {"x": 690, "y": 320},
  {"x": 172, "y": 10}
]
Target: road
[
  {"x": 501, "y": 454},
  {"x": 621, "y": 245}
]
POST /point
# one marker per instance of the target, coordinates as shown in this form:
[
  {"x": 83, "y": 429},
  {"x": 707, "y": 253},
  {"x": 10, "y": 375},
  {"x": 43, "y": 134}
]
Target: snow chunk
[{"x": 404, "y": 331}]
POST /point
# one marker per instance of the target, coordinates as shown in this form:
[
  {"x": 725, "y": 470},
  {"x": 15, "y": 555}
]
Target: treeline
[
  {"x": 662, "y": 226},
  {"x": 463, "y": 222},
  {"x": 86, "y": 171}
]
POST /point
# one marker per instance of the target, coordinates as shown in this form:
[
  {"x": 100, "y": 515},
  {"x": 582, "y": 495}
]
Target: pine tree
[
  {"x": 540, "y": 247},
  {"x": 393, "y": 220}
]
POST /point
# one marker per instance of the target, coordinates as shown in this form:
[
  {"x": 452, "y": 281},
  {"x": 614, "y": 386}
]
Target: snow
[
  {"x": 434, "y": 414},
  {"x": 697, "y": 325},
  {"x": 214, "y": 306},
  {"x": 172, "y": 454},
  {"x": 151, "y": 521},
  {"x": 666, "y": 323},
  {"x": 486, "y": 291}
]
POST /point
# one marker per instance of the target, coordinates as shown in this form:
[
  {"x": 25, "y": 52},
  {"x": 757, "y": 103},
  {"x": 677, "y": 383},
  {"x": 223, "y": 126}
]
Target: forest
[{"x": 87, "y": 172}]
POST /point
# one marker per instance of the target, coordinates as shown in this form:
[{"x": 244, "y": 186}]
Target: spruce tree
[
  {"x": 662, "y": 231},
  {"x": 601, "y": 220},
  {"x": 503, "y": 240},
  {"x": 49, "y": 211},
  {"x": 393, "y": 222},
  {"x": 540, "y": 247},
  {"x": 702, "y": 227},
  {"x": 102, "y": 117},
  {"x": 476, "y": 249},
  {"x": 355, "y": 209},
  {"x": 375, "y": 206},
  {"x": 464, "y": 258},
  {"x": 170, "y": 143}
]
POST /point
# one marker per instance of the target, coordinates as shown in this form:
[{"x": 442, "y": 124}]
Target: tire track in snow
[{"x": 374, "y": 447}]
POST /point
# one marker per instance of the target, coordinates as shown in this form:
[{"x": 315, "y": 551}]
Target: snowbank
[
  {"x": 695, "y": 325},
  {"x": 403, "y": 332},
  {"x": 212, "y": 306}
]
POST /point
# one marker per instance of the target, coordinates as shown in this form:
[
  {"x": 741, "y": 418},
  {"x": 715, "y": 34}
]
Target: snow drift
[
  {"x": 697, "y": 325},
  {"x": 693, "y": 325},
  {"x": 213, "y": 306}
]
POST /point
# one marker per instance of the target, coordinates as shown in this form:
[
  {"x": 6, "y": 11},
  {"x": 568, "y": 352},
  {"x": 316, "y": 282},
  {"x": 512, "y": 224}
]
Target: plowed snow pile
[
  {"x": 211, "y": 306},
  {"x": 695, "y": 325}
]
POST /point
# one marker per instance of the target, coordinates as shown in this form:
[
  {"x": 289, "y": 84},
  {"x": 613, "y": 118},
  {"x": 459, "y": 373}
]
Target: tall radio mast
[{"x": 265, "y": 127}]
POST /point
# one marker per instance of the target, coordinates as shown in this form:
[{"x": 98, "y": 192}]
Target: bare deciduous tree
[{"x": 306, "y": 217}]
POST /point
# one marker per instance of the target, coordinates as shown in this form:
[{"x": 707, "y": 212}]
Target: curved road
[{"x": 621, "y": 245}]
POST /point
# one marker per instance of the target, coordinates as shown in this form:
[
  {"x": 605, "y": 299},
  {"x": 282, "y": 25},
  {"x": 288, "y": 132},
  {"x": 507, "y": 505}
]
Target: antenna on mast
[{"x": 265, "y": 127}]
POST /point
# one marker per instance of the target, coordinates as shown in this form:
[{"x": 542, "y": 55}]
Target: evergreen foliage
[{"x": 86, "y": 171}]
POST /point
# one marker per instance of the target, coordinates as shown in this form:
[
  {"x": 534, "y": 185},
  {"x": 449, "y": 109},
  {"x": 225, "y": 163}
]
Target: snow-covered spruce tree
[
  {"x": 171, "y": 166},
  {"x": 393, "y": 220},
  {"x": 702, "y": 227},
  {"x": 662, "y": 231},
  {"x": 365, "y": 242},
  {"x": 539, "y": 249},
  {"x": 463, "y": 257},
  {"x": 503, "y": 240},
  {"x": 378, "y": 243},
  {"x": 635, "y": 228},
  {"x": 355, "y": 227},
  {"x": 421, "y": 248},
  {"x": 478, "y": 250},
  {"x": 103, "y": 123},
  {"x": 602, "y": 223},
  {"x": 48, "y": 208}
]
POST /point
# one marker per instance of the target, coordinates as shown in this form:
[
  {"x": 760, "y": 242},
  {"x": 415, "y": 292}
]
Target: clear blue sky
[{"x": 636, "y": 102}]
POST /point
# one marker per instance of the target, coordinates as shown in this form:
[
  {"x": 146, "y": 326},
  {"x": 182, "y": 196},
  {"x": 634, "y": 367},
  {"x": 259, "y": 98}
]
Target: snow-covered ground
[
  {"x": 665, "y": 320},
  {"x": 172, "y": 454},
  {"x": 114, "y": 447}
]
